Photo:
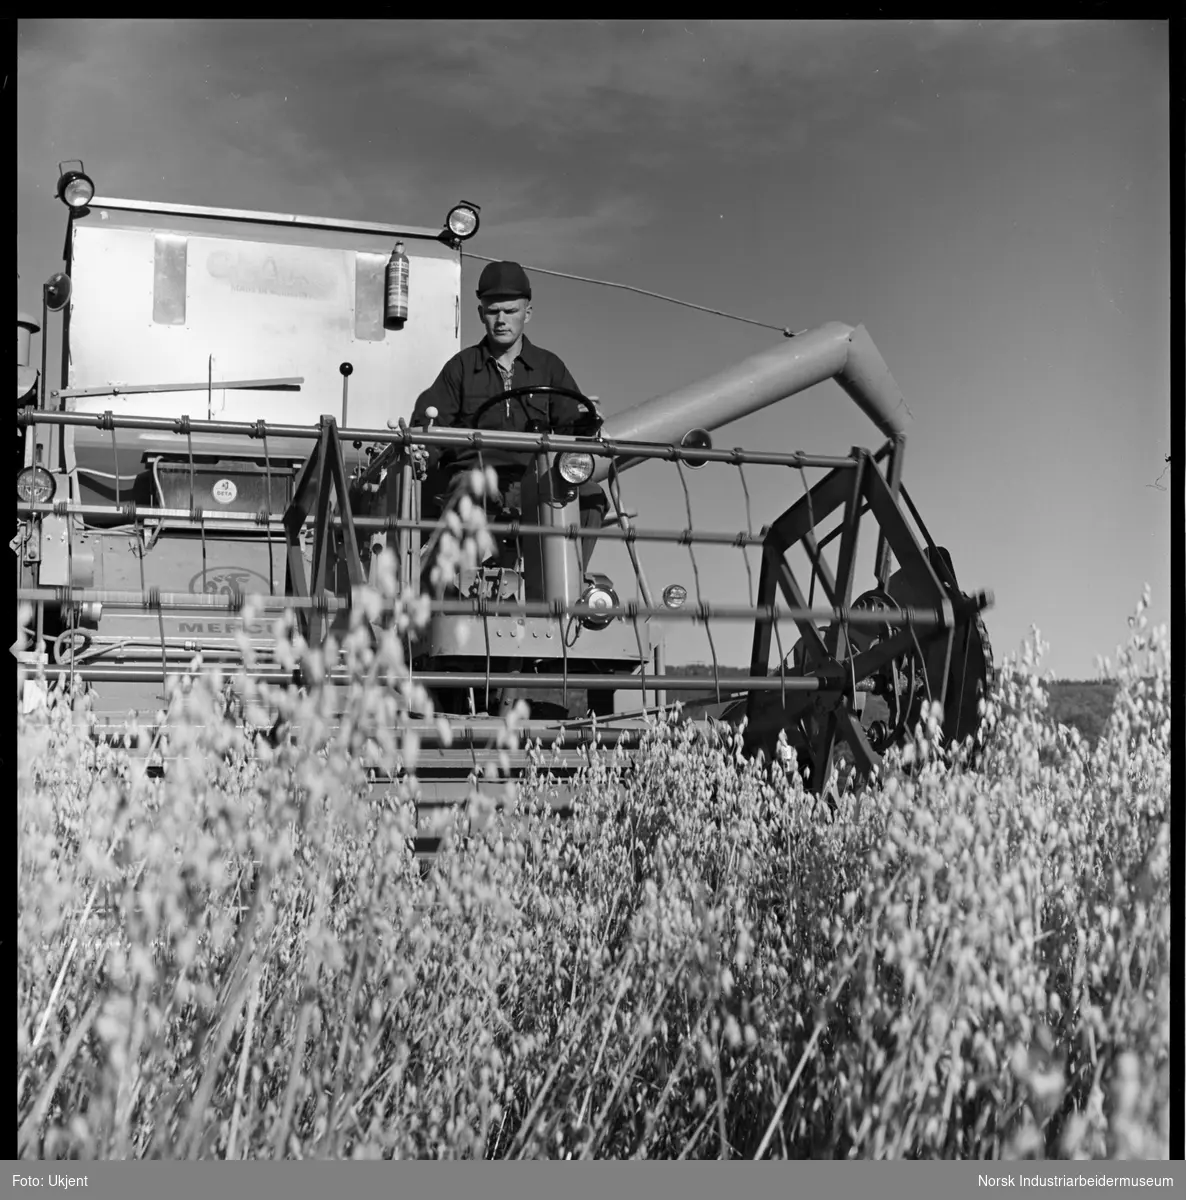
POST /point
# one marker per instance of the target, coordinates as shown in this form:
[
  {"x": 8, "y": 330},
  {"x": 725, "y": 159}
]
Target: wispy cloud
[
  {"x": 575, "y": 239},
  {"x": 560, "y": 129}
]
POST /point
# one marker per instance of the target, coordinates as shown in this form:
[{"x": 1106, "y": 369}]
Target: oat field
[{"x": 242, "y": 959}]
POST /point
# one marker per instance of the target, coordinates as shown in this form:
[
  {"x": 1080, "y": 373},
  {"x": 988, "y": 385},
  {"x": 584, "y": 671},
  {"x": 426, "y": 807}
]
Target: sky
[{"x": 989, "y": 199}]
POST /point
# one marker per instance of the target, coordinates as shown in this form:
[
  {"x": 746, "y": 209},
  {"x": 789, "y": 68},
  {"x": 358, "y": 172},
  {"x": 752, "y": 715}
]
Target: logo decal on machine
[
  {"x": 224, "y": 491},
  {"x": 236, "y": 583},
  {"x": 230, "y": 582},
  {"x": 269, "y": 270}
]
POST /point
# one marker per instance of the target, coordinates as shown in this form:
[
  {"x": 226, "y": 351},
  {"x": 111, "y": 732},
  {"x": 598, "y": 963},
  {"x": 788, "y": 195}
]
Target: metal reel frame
[{"x": 841, "y": 658}]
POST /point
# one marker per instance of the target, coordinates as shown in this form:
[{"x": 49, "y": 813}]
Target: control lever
[
  {"x": 347, "y": 369},
  {"x": 420, "y": 453}
]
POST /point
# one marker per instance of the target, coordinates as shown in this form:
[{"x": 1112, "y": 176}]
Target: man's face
[{"x": 504, "y": 320}]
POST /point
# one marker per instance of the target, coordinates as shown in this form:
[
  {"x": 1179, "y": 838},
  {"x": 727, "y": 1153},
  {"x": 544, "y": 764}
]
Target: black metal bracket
[{"x": 323, "y": 471}]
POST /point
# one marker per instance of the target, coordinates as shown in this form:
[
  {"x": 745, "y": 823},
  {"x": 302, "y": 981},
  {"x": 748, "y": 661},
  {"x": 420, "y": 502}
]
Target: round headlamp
[
  {"x": 35, "y": 485},
  {"x": 598, "y": 596},
  {"x": 57, "y": 290},
  {"x": 674, "y": 595},
  {"x": 462, "y": 221},
  {"x": 75, "y": 188},
  {"x": 575, "y": 466}
]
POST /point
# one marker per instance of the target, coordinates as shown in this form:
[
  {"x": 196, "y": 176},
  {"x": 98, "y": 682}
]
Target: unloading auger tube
[{"x": 832, "y": 351}]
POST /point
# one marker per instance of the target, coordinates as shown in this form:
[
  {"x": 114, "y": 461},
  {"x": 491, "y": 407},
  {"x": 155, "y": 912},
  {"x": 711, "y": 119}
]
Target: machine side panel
[{"x": 176, "y": 563}]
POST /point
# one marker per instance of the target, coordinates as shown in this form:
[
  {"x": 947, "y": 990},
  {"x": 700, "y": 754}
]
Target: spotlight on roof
[
  {"x": 462, "y": 222},
  {"x": 75, "y": 188}
]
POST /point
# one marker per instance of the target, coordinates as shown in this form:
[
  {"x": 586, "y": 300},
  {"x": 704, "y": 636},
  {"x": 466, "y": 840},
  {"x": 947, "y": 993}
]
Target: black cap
[{"x": 506, "y": 280}]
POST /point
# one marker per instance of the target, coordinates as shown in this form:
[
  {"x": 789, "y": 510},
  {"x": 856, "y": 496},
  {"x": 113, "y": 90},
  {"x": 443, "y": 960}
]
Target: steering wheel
[{"x": 585, "y": 425}]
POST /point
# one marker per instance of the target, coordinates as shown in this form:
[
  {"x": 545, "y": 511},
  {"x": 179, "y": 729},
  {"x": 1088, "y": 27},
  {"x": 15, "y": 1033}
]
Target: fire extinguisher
[{"x": 396, "y": 311}]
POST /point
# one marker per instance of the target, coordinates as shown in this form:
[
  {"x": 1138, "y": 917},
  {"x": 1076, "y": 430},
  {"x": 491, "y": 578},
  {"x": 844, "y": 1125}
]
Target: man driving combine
[{"x": 504, "y": 359}]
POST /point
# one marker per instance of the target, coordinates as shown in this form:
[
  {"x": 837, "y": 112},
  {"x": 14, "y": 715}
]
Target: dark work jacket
[{"x": 466, "y": 382}]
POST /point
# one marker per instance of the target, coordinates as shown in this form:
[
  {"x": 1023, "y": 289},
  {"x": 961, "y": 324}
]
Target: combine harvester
[{"x": 233, "y": 421}]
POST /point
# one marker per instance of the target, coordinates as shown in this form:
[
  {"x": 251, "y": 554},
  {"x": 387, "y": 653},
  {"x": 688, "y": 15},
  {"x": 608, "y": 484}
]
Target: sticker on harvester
[{"x": 224, "y": 491}]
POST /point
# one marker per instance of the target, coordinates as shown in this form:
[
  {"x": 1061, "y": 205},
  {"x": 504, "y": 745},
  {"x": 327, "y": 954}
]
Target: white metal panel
[{"x": 259, "y": 309}]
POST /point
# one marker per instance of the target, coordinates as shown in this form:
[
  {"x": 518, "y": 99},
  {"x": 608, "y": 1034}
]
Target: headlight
[
  {"x": 600, "y": 595},
  {"x": 696, "y": 439},
  {"x": 75, "y": 188},
  {"x": 575, "y": 466},
  {"x": 57, "y": 291},
  {"x": 674, "y": 595},
  {"x": 35, "y": 485},
  {"x": 462, "y": 220}
]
